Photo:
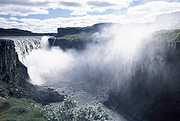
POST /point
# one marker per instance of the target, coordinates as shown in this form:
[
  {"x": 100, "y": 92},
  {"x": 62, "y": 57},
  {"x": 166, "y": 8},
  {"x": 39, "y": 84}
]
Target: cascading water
[
  {"x": 44, "y": 43},
  {"x": 46, "y": 65},
  {"x": 24, "y": 45}
]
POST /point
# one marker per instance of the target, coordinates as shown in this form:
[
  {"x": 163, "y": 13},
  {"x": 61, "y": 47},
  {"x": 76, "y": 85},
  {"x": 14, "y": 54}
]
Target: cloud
[
  {"x": 149, "y": 11},
  {"x": 13, "y": 18},
  {"x": 21, "y": 11},
  {"x": 80, "y": 7},
  {"x": 140, "y": 13},
  {"x": 99, "y": 4},
  {"x": 51, "y": 25},
  {"x": 73, "y": 4},
  {"x": 23, "y": 8},
  {"x": 26, "y": 3},
  {"x": 76, "y": 12}
]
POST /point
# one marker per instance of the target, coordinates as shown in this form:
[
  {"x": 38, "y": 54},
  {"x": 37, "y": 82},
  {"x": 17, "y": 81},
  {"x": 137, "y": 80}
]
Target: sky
[{"x": 48, "y": 15}]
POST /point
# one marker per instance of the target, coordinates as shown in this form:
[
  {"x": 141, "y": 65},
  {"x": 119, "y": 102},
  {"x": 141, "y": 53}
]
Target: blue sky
[{"x": 48, "y": 15}]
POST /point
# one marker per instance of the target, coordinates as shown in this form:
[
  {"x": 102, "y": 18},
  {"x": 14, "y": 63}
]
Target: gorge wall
[
  {"x": 152, "y": 93},
  {"x": 14, "y": 76},
  {"x": 13, "y": 73}
]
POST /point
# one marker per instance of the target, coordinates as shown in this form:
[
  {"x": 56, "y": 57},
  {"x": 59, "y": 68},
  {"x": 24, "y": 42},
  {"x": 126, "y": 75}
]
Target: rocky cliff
[
  {"x": 153, "y": 91},
  {"x": 13, "y": 73},
  {"x": 14, "y": 76},
  {"x": 76, "y": 37},
  {"x": 77, "y": 30}
]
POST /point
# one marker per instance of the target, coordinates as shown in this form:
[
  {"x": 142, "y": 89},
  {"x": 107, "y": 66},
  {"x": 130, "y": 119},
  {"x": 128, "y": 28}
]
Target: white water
[
  {"x": 98, "y": 61},
  {"x": 24, "y": 45}
]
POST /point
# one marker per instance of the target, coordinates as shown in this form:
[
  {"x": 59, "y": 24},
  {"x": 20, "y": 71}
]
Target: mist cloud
[{"x": 111, "y": 60}]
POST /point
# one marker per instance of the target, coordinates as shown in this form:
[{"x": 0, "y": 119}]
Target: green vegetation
[
  {"x": 168, "y": 35},
  {"x": 69, "y": 30},
  {"x": 69, "y": 41},
  {"x": 17, "y": 110},
  {"x": 76, "y": 37},
  {"x": 68, "y": 112},
  {"x": 29, "y": 110}
]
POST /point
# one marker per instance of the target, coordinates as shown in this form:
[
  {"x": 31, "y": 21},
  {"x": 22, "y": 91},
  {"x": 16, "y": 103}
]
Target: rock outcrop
[
  {"x": 12, "y": 72},
  {"x": 64, "y": 44},
  {"x": 77, "y": 37},
  {"x": 14, "y": 76},
  {"x": 77, "y": 30}
]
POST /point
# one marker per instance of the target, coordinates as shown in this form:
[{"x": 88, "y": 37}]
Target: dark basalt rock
[
  {"x": 3, "y": 92},
  {"x": 13, "y": 76},
  {"x": 67, "y": 44}
]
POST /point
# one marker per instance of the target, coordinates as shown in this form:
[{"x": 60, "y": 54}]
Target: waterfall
[
  {"x": 24, "y": 45},
  {"x": 44, "y": 42}
]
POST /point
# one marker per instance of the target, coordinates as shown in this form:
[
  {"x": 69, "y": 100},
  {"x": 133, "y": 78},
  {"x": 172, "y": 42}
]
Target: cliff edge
[{"x": 13, "y": 76}]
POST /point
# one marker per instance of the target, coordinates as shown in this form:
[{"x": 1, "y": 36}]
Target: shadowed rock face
[
  {"x": 66, "y": 44},
  {"x": 10, "y": 67},
  {"x": 13, "y": 76},
  {"x": 12, "y": 72}
]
